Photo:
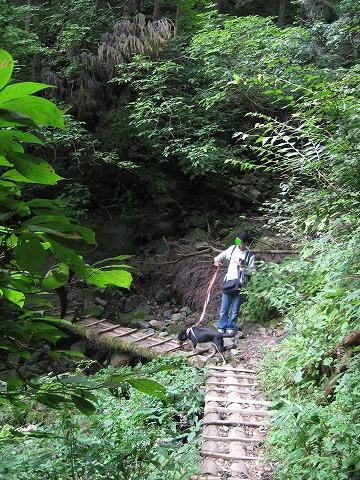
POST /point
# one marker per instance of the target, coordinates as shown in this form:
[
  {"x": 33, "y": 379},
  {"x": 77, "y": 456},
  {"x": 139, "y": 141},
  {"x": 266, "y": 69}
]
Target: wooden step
[
  {"x": 228, "y": 457},
  {"x": 238, "y": 400},
  {"x": 234, "y": 423},
  {"x": 243, "y": 411},
  {"x": 231, "y": 369},
  {"x": 232, "y": 384},
  {"x": 232, "y": 439}
]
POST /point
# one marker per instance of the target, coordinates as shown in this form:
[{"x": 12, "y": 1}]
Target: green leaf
[
  {"x": 51, "y": 400},
  {"x": 111, "y": 259},
  {"x": 150, "y": 387},
  {"x": 6, "y": 67},
  {"x": 40, "y": 110},
  {"x": 18, "y": 298},
  {"x": 56, "y": 277},
  {"x": 29, "y": 253},
  {"x": 4, "y": 162},
  {"x": 101, "y": 278},
  {"x": 32, "y": 170},
  {"x": 19, "y": 90},
  {"x": 85, "y": 407}
]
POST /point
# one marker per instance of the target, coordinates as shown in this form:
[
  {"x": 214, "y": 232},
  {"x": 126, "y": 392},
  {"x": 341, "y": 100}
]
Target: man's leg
[
  {"x": 224, "y": 311},
  {"x": 236, "y": 301}
]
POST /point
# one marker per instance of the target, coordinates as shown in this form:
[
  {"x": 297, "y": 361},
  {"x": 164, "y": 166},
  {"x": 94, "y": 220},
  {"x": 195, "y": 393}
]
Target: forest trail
[
  {"x": 235, "y": 415},
  {"x": 234, "y": 425}
]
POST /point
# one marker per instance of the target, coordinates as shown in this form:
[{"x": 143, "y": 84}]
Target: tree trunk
[
  {"x": 281, "y": 16},
  {"x": 156, "y": 10},
  {"x": 28, "y": 22}
]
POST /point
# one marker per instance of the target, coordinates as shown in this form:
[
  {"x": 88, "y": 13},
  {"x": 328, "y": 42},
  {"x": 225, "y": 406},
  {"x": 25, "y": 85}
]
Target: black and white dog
[{"x": 203, "y": 335}]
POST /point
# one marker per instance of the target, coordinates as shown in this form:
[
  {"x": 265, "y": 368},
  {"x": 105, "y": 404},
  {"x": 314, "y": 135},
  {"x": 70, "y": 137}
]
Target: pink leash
[{"x": 207, "y": 298}]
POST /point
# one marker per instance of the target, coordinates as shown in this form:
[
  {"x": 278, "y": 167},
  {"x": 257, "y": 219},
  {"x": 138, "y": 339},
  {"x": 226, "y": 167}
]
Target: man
[{"x": 241, "y": 266}]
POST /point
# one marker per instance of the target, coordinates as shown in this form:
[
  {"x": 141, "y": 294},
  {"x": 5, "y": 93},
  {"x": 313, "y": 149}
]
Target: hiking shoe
[
  {"x": 221, "y": 330},
  {"x": 229, "y": 332}
]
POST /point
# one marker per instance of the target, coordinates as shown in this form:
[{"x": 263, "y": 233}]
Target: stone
[
  {"x": 197, "y": 234},
  {"x": 120, "y": 358},
  {"x": 175, "y": 317},
  {"x": 162, "y": 296},
  {"x": 262, "y": 331},
  {"x": 78, "y": 346},
  {"x": 101, "y": 301},
  {"x": 163, "y": 334},
  {"x": 144, "y": 325},
  {"x": 186, "y": 310},
  {"x": 133, "y": 318},
  {"x": 157, "y": 324},
  {"x": 131, "y": 303}
]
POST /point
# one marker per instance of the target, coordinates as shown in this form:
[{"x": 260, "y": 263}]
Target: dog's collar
[{"x": 191, "y": 330}]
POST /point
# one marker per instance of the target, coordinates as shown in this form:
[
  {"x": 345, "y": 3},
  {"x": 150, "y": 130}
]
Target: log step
[
  {"x": 232, "y": 439},
  {"x": 234, "y": 423},
  {"x": 238, "y": 400},
  {"x": 231, "y": 369},
  {"x": 225, "y": 456},
  {"x": 232, "y": 384},
  {"x": 244, "y": 411}
]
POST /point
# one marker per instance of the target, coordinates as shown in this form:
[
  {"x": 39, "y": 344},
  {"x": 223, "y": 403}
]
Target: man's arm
[{"x": 224, "y": 255}]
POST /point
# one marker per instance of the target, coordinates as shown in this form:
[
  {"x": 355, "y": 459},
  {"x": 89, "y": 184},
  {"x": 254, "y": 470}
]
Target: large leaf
[
  {"x": 150, "y": 387},
  {"x": 32, "y": 170},
  {"x": 56, "y": 277},
  {"x": 83, "y": 405},
  {"x": 18, "y": 298},
  {"x": 6, "y": 68},
  {"x": 4, "y": 162},
  {"x": 101, "y": 278},
  {"x": 40, "y": 110},
  {"x": 51, "y": 400},
  {"x": 29, "y": 253},
  {"x": 19, "y": 90}
]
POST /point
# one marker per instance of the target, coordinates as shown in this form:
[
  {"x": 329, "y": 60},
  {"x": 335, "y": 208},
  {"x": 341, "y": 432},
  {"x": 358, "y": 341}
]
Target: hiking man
[{"x": 241, "y": 266}]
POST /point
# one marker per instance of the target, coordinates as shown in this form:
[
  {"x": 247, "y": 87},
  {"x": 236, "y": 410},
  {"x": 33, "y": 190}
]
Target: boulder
[
  {"x": 101, "y": 301},
  {"x": 157, "y": 324},
  {"x": 186, "y": 310},
  {"x": 162, "y": 296},
  {"x": 175, "y": 317},
  {"x": 197, "y": 234},
  {"x": 120, "y": 358},
  {"x": 131, "y": 303},
  {"x": 78, "y": 346}
]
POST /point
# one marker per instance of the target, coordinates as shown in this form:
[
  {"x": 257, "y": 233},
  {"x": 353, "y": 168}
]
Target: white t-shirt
[{"x": 234, "y": 255}]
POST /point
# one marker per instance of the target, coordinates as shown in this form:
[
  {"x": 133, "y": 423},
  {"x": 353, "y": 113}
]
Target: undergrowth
[{"x": 131, "y": 436}]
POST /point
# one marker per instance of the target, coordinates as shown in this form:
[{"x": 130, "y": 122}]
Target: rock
[
  {"x": 201, "y": 245},
  {"x": 175, "y": 317},
  {"x": 163, "y": 334},
  {"x": 197, "y": 234},
  {"x": 131, "y": 303},
  {"x": 101, "y": 301},
  {"x": 166, "y": 315},
  {"x": 195, "y": 221},
  {"x": 229, "y": 343},
  {"x": 133, "y": 318},
  {"x": 162, "y": 296},
  {"x": 186, "y": 310},
  {"x": 78, "y": 346},
  {"x": 157, "y": 324},
  {"x": 262, "y": 331},
  {"x": 120, "y": 358},
  {"x": 144, "y": 325},
  {"x": 223, "y": 232}
]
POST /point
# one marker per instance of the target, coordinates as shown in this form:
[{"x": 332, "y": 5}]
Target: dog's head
[{"x": 183, "y": 336}]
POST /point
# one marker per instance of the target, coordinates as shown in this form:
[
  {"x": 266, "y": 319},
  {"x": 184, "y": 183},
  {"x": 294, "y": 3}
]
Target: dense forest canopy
[{"x": 123, "y": 119}]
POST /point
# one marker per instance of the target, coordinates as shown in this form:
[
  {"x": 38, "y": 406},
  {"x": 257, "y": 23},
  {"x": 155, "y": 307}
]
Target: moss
[{"x": 132, "y": 318}]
